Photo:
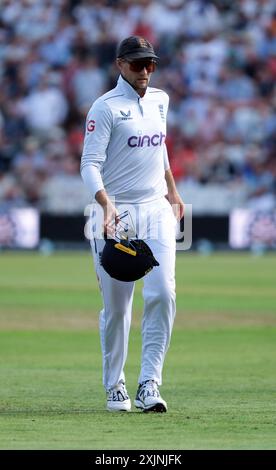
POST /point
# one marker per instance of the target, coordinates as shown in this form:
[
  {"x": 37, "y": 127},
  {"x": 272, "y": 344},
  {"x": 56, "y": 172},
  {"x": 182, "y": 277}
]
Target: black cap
[{"x": 136, "y": 47}]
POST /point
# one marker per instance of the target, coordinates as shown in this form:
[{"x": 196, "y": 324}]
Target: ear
[{"x": 119, "y": 64}]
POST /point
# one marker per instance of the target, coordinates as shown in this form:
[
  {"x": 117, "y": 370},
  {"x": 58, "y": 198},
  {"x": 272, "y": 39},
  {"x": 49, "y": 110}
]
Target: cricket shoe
[
  {"x": 118, "y": 399},
  {"x": 148, "y": 398}
]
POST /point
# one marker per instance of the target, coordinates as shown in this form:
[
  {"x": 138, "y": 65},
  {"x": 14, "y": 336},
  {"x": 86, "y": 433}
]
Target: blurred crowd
[{"x": 217, "y": 63}]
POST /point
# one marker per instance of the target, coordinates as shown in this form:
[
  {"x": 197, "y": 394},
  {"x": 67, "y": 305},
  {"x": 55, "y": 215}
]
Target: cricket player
[{"x": 125, "y": 161}]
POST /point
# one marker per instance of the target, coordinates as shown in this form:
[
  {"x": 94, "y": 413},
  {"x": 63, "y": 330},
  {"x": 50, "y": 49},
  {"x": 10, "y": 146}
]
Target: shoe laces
[
  {"x": 151, "y": 387},
  {"x": 120, "y": 387},
  {"x": 118, "y": 392},
  {"x": 151, "y": 384}
]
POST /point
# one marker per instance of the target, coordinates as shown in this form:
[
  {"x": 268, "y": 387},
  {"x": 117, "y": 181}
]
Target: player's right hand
[{"x": 110, "y": 219}]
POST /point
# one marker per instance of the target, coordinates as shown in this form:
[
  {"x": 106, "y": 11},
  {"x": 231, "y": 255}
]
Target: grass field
[{"x": 219, "y": 375}]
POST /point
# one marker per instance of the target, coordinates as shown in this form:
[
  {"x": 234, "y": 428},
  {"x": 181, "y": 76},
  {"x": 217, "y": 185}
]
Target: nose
[{"x": 144, "y": 71}]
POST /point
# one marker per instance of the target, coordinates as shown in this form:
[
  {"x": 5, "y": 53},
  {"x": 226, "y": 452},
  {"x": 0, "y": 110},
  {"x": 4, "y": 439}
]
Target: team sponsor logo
[
  {"x": 146, "y": 140},
  {"x": 91, "y": 125},
  {"x": 126, "y": 116}
]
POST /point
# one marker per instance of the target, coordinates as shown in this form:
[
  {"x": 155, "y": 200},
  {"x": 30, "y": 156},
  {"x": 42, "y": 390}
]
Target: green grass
[{"x": 219, "y": 375}]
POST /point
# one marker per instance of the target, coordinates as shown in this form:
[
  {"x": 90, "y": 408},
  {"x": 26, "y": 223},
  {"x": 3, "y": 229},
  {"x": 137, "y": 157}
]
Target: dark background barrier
[
  {"x": 71, "y": 228},
  {"x": 62, "y": 228}
]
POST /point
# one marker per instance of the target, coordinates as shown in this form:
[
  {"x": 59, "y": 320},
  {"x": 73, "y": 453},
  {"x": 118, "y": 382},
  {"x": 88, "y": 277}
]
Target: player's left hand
[{"x": 177, "y": 204}]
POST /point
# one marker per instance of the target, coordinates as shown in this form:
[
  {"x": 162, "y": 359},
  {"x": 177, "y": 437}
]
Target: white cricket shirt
[{"x": 124, "y": 148}]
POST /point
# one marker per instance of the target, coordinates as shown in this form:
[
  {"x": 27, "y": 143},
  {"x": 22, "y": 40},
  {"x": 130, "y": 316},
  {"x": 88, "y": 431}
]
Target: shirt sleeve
[
  {"x": 165, "y": 151},
  {"x": 166, "y": 158},
  {"x": 97, "y": 135}
]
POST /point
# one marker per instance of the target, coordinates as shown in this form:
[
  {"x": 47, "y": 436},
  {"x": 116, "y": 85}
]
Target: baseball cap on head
[{"x": 134, "y": 48}]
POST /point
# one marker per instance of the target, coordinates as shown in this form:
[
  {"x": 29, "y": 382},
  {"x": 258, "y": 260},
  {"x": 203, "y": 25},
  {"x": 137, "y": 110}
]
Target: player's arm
[
  {"x": 97, "y": 136},
  {"x": 110, "y": 211},
  {"x": 173, "y": 195}
]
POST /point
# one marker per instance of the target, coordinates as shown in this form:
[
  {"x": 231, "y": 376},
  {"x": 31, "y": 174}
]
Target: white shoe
[
  {"x": 148, "y": 398},
  {"x": 118, "y": 399}
]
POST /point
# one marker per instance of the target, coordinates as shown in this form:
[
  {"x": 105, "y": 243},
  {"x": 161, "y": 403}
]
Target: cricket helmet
[{"x": 127, "y": 259}]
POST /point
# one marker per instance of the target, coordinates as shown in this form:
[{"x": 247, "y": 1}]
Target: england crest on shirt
[{"x": 161, "y": 110}]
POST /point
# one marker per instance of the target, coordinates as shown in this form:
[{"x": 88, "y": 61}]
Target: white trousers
[{"x": 159, "y": 303}]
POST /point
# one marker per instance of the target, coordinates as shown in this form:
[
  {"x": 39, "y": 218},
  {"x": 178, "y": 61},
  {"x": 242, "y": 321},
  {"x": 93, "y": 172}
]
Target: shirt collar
[{"x": 128, "y": 89}]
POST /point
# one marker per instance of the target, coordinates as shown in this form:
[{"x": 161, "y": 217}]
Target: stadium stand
[{"x": 218, "y": 64}]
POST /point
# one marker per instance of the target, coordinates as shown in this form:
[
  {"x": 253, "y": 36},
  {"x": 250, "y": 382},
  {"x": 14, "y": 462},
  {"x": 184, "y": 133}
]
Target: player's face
[{"x": 137, "y": 73}]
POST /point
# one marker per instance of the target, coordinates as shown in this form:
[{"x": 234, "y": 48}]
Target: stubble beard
[{"x": 140, "y": 86}]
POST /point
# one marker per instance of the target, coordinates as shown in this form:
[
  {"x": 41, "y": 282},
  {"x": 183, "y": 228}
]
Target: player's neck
[{"x": 141, "y": 91}]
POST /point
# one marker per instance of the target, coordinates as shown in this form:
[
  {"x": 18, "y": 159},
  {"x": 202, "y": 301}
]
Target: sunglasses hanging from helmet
[{"x": 125, "y": 230}]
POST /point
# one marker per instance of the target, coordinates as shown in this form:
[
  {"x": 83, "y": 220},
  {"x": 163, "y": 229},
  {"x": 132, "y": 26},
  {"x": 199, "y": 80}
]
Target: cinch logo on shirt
[{"x": 146, "y": 140}]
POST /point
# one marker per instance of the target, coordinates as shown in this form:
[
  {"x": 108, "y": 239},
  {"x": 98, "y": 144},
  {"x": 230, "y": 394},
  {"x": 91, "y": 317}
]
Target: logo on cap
[{"x": 143, "y": 43}]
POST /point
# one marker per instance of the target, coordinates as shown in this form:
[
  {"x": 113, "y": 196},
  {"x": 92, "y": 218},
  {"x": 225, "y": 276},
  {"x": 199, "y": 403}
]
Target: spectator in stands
[
  {"x": 10, "y": 192},
  {"x": 64, "y": 193},
  {"x": 45, "y": 107},
  {"x": 88, "y": 81}
]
